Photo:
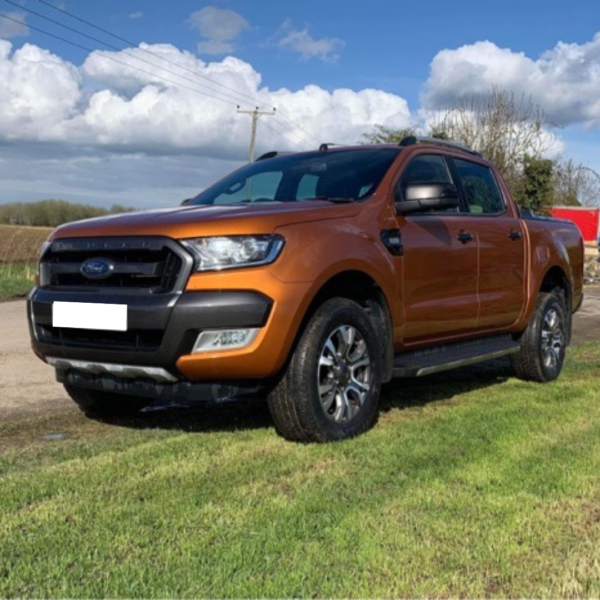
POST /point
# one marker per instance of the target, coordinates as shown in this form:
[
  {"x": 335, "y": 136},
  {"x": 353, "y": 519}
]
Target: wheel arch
[
  {"x": 363, "y": 289},
  {"x": 555, "y": 278}
]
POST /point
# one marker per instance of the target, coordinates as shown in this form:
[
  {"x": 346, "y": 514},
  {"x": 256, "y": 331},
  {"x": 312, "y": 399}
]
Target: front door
[{"x": 439, "y": 270}]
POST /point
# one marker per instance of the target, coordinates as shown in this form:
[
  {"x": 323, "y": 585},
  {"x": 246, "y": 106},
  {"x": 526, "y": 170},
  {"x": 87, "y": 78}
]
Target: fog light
[{"x": 224, "y": 339}]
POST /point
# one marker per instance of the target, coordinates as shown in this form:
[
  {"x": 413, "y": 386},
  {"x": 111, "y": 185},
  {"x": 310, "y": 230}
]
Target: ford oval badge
[{"x": 97, "y": 268}]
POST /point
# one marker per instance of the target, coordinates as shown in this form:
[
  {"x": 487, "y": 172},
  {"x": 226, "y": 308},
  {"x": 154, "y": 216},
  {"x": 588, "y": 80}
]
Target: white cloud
[
  {"x": 110, "y": 113},
  {"x": 219, "y": 28},
  {"x": 39, "y": 92},
  {"x": 136, "y": 15},
  {"x": 565, "y": 80},
  {"x": 11, "y": 29},
  {"x": 302, "y": 42}
]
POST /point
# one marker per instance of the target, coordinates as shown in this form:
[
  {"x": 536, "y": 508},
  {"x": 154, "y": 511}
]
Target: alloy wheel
[
  {"x": 344, "y": 374},
  {"x": 552, "y": 339}
]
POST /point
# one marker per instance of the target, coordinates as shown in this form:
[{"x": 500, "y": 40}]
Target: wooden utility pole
[{"x": 256, "y": 115}]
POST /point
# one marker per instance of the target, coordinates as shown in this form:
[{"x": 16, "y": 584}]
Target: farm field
[{"x": 19, "y": 250}]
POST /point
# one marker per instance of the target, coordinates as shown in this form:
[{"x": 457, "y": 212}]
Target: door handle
[
  {"x": 464, "y": 237},
  {"x": 513, "y": 234}
]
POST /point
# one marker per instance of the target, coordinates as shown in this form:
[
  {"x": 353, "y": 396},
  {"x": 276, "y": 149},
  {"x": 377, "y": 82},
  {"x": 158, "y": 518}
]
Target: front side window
[
  {"x": 428, "y": 168},
  {"x": 343, "y": 175},
  {"x": 482, "y": 193}
]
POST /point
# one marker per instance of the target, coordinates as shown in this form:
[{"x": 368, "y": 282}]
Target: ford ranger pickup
[{"x": 312, "y": 279}]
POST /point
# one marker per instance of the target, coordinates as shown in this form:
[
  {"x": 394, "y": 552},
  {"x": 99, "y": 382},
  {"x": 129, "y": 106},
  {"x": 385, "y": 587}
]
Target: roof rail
[
  {"x": 271, "y": 154},
  {"x": 411, "y": 140},
  {"x": 325, "y": 147}
]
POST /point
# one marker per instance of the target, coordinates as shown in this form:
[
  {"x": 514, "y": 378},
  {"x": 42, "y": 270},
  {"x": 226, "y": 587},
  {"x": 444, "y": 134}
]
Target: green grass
[
  {"x": 472, "y": 484},
  {"x": 16, "y": 280}
]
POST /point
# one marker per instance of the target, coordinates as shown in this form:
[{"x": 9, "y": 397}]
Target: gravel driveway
[{"x": 28, "y": 386}]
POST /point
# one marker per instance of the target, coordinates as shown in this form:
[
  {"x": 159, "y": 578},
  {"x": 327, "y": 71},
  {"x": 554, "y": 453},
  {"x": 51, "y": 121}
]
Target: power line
[
  {"x": 252, "y": 99},
  {"x": 285, "y": 128},
  {"x": 300, "y": 127},
  {"x": 115, "y": 60},
  {"x": 283, "y": 135},
  {"x": 126, "y": 52}
]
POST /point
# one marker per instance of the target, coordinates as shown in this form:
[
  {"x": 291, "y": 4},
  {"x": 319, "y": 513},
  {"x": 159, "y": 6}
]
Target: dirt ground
[{"x": 27, "y": 385}]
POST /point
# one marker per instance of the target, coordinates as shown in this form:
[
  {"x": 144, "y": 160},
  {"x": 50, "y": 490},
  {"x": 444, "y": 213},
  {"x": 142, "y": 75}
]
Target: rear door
[
  {"x": 439, "y": 271},
  {"x": 501, "y": 243}
]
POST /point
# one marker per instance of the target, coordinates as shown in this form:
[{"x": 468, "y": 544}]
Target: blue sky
[
  {"x": 388, "y": 46},
  {"x": 100, "y": 131}
]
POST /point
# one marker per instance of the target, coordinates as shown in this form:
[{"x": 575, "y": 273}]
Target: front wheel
[
  {"x": 330, "y": 390},
  {"x": 544, "y": 343}
]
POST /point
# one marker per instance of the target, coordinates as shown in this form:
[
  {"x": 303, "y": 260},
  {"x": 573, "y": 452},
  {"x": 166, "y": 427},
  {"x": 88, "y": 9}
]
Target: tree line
[
  {"x": 515, "y": 135},
  {"x": 52, "y": 213}
]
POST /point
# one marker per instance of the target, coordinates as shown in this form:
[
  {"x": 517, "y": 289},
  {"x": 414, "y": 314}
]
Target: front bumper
[
  {"x": 169, "y": 392},
  {"x": 161, "y": 328}
]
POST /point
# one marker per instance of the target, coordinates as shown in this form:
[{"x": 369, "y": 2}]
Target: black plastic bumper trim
[
  {"x": 181, "y": 316},
  {"x": 181, "y": 391}
]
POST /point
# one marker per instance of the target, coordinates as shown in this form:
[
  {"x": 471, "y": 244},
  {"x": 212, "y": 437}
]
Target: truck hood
[{"x": 198, "y": 221}]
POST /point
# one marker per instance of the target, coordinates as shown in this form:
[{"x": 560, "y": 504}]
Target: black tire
[
  {"x": 543, "y": 344},
  {"x": 95, "y": 403},
  {"x": 297, "y": 402}
]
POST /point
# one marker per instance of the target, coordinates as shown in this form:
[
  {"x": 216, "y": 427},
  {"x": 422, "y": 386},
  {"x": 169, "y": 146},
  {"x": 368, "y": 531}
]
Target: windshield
[{"x": 340, "y": 175}]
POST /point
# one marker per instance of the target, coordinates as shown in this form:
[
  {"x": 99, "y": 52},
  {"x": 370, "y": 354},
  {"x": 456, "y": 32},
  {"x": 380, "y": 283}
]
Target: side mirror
[
  {"x": 186, "y": 201},
  {"x": 421, "y": 197}
]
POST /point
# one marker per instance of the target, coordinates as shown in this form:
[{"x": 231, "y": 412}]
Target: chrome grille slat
[
  {"x": 126, "y": 268},
  {"x": 145, "y": 265}
]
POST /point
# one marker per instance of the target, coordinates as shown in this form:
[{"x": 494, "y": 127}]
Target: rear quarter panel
[{"x": 552, "y": 243}]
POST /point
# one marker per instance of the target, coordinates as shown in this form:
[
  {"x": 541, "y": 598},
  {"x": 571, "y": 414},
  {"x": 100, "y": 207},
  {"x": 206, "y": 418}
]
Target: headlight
[{"x": 217, "y": 253}]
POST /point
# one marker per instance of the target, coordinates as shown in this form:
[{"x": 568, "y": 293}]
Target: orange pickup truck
[{"x": 312, "y": 279}]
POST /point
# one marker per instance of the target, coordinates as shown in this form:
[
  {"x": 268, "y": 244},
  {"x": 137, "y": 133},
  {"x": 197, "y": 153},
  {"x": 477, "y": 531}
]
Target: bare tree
[
  {"x": 514, "y": 134},
  {"x": 387, "y": 135},
  {"x": 503, "y": 128},
  {"x": 576, "y": 185}
]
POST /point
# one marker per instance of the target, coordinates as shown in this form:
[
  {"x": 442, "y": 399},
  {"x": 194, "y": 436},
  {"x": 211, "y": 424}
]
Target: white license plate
[{"x": 88, "y": 315}]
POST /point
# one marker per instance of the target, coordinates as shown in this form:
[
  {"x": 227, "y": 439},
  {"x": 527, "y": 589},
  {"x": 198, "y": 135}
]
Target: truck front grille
[{"x": 137, "y": 264}]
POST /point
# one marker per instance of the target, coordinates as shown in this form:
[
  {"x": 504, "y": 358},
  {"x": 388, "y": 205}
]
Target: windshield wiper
[{"x": 331, "y": 199}]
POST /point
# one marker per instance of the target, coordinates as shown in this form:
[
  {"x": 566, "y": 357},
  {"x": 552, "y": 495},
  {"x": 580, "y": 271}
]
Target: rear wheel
[
  {"x": 331, "y": 387},
  {"x": 105, "y": 404},
  {"x": 544, "y": 343}
]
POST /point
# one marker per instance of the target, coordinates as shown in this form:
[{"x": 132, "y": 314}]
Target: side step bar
[{"x": 450, "y": 356}]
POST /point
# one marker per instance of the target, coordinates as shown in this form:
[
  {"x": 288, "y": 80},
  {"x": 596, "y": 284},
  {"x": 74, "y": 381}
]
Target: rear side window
[{"x": 482, "y": 193}]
